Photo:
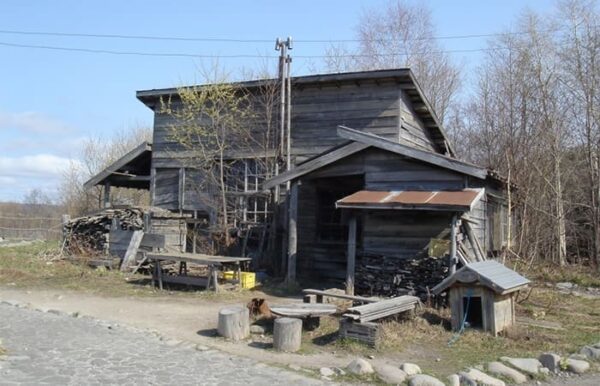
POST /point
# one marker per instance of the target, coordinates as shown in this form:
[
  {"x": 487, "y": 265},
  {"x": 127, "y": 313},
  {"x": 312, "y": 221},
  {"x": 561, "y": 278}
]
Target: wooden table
[{"x": 214, "y": 263}]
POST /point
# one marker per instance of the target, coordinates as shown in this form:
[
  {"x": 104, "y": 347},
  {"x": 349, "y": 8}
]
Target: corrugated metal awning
[{"x": 459, "y": 200}]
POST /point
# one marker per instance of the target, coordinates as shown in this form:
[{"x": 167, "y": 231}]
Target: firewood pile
[
  {"x": 387, "y": 276},
  {"x": 90, "y": 233}
]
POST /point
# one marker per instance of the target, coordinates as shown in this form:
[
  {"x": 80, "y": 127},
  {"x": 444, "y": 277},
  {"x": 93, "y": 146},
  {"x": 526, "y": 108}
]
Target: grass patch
[{"x": 32, "y": 266}]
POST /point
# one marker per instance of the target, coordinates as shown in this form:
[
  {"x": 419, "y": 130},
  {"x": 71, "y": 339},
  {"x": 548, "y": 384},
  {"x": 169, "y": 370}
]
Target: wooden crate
[{"x": 367, "y": 333}]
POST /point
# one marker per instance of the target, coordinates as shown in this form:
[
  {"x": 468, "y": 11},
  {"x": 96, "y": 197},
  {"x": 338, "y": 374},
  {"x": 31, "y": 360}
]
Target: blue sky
[{"x": 51, "y": 100}]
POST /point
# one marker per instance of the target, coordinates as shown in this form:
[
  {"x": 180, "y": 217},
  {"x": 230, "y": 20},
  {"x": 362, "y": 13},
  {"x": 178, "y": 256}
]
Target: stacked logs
[
  {"x": 387, "y": 276},
  {"x": 91, "y": 233}
]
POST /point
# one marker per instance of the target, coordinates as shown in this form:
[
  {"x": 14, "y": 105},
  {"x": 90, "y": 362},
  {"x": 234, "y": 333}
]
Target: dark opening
[{"x": 472, "y": 307}]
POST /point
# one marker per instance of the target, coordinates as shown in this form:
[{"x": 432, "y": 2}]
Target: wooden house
[
  {"x": 374, "y": 177},
  {"x": 482, "y": 295}
]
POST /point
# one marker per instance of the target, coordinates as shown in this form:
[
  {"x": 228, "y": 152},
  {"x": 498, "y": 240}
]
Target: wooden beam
[
  {"x": 315, "y": 164},
  {"x": 351, "y": 262},
  {"x": 107, "y": 194},
  {"x": 133, "y": 154},
  {"x": 292, "y": 233},
  {"x": 452, "y": 267}
]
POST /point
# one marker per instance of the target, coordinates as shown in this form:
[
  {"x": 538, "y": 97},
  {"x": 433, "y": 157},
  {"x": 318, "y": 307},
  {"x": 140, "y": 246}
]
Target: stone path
[{"x": 47, "y": 348}]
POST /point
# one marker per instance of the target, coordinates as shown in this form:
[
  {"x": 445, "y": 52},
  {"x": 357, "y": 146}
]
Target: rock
[
  {"x": 597, "y": 345},
  {"x": 295, "y": 367},
  {"x": 483, "y": 379},
  {"x": 200, "y": 347},
  {"x": 550, "y": 361},
  {"x": 360, "y": 366},
  {"x": 55, "y": 312},
  {"x": 529, "y": 365},
  {"x": 577, "y": 366},
  {"x": 410, "y": 368},
  {"x": 565, "y": 285},
  {"x": 326, "y": 372},
  {"x": 339, "y": 371},
  {"x": 498, "y": 368},
  {"x": 578, "y": 357},
  {"x": 453, "y": 380},
  {"x": 424, "y": 380},
  {"x": 256, "y": 329},
  {"x": 466, "y": 380},
  {"x": 390, "y": 374},
  {"x": 544, "y": 371},
  {"x": 590, "y": 352}
]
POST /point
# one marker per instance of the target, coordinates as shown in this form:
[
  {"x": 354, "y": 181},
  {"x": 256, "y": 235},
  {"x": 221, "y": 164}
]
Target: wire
[
  {"x": 190, "y": 55},
  {"x": 238, "y": 40}
]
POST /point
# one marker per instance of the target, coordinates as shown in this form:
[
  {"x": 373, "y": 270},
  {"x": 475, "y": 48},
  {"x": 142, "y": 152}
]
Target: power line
[
  {"x": 239, "y": 40},
  {"x": 214, "y": 56}
]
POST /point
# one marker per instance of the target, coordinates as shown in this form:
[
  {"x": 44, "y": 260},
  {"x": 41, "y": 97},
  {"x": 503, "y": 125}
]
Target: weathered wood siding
[
  {"x": 380, "y": 108},
  {"x": 401, "y": 234}
]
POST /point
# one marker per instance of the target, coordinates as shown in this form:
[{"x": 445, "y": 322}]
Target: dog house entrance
[{"x": 474, "y": 311}]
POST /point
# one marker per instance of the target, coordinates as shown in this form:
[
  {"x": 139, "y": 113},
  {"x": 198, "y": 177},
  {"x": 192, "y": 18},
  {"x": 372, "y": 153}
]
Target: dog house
[{"x": 482, "y": 295}]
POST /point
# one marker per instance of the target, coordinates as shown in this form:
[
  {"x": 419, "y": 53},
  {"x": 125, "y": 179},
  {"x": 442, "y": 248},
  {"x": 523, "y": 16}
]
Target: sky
[{"x": 52, "y": 100}]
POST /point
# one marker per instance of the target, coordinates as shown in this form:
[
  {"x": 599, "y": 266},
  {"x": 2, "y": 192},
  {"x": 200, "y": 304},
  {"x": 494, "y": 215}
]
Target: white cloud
[
  {"x": 32, "y": 122},
  {"x": 37, "y": 166}
]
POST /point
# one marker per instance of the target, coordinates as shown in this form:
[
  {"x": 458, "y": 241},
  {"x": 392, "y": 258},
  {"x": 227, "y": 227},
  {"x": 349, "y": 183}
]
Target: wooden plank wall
[{"x": 383, "y": 109}]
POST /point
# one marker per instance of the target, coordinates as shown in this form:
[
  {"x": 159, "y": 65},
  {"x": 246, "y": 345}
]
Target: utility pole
[
  {"x": 285, "y": 117},
  {"x": 285, "y": 62}
]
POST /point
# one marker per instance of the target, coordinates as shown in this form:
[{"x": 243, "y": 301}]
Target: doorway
[{"x": 472, "y": 306}]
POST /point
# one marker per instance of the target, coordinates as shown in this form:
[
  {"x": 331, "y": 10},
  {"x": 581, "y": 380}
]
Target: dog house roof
[{"x": 491, "y": 274}]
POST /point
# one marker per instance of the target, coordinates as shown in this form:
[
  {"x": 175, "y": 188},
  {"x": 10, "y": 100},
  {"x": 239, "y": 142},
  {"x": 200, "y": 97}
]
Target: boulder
[
  {"x": 528, "y": 365},
  {"x": 410, "y": 368},
  {"x": 577, "y": 366},
  {"x": 453, "y": 380},
  {"x": 466, "y": 380},
  {"x": 550, "y": 361},
  {"x": 326, "y": 372},
  {"x": 483, "y": 379},
  {"x": 498, "y": 368},
  {"x": 390, "y": 374},
  {"x": 591, "y": 352},
  {"x": 360, "y": 366},
  {"x": 424, "y": 380}
]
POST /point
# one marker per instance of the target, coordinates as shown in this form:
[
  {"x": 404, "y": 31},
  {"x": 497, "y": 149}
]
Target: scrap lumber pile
[
  {"x": 387, "y": 276},
  {"x": 361, "y": 322},
  {"x": 382, "y": 309},
  {"x": 91, "y": 233}
]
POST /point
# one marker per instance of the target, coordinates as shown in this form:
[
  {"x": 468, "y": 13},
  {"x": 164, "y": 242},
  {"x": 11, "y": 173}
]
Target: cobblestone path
[{"x": 58, "y": 349}]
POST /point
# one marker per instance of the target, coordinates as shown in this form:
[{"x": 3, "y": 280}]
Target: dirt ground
[{"x": 192, "y": 320}]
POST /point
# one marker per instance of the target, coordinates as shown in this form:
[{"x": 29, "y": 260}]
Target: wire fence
[{"x": 30, "y": 228}]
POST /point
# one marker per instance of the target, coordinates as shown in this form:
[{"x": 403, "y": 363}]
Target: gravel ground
[{"x": 47, "y": 348}]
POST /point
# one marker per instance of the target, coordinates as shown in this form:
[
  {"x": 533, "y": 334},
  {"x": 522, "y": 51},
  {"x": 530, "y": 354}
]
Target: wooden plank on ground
[{"x": 132, "y": 250}]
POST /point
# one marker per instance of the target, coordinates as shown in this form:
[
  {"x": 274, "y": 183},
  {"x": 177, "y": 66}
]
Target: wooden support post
[
  {"x": 292, "y": 233},
  {"x": 452, "y": 263},
  {"x": 215, "y": 278},
  {"x": 107, "y": 194},
  {"x": 351, "y": 262}
]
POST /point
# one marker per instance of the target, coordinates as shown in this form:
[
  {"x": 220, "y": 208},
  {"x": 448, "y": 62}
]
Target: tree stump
[
  {"x": 287, "y": 334},
  {"x": 234, "y": 323}
]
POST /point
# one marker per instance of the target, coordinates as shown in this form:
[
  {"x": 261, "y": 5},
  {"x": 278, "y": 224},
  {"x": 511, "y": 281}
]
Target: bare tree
[
  {"x": 401, "y": 34},
  {"x": 96, "y": 154}
]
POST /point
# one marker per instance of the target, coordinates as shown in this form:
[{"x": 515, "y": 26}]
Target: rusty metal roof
[{"x": 412, "y": 199}]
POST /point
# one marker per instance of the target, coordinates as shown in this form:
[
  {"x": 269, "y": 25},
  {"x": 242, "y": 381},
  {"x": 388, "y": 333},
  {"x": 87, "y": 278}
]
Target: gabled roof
[
  {"x": 360, "y": 141},
  {"x": 138, "y": 158},
  {"x": 491, "y": 274},
  {"x": 403, "y": 77}
]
